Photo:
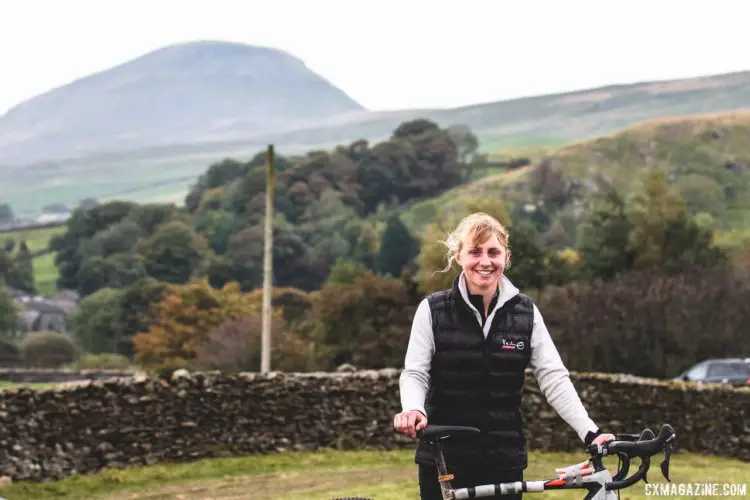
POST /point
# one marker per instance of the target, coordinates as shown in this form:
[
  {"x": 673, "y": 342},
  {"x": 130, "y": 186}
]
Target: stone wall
[
  {"x": 51, "y": 434},
  {"x": 43, "y": 375}
]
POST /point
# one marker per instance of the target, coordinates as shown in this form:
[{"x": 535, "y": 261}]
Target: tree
[
  {"x": 9, "y": 316},
  {"x": 175, "y": 253},
  {"x": 664, "y": 233},
  {"x": 382, "y": 310},
  {"x": 235, "y": 345},
  {"x": 87, "y": 203},
  {"x": 118, "y": 270},
  {"x": 150, "y": 216},
  {"x": 6, "y": 214},
  {"x": 604, "y": 243},
  {"x": 82, "y": 226},
  {"x": 468, "y": 145},
  {"x": 397, "y": 248},
  {"x": 551, "y": 186},
  {"x": 96, "y": 321},
  {"x": 415, "y": 128},
  {"x": 293, "y": 263},
  {"x": 347, "y": 271},
  {"x": 528, "y": 258},
  {"x": 702, "y": 194},
  {"x": 138, "y": 310},
  {"x": 120, "y": 237},
  {"x": 217, "y": 226},
  {"x": 22, "y": 270},
  {"x": 17, "y": 271},
  {"x": 186, "y": 316}
]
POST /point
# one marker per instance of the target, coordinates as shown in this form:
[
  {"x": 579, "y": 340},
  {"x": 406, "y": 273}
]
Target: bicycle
[{"x": 590, "y": 474}]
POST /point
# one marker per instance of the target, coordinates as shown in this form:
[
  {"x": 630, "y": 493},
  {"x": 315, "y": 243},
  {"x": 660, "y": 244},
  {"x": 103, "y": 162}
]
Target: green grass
[
  {"x": 137, "y": 176},
  {"x": 490, "y": 143},
  {"x": 384, "y": 475},
  {"x": 36, "y": 239},
  {"x": 45, "y": 272},
  {"x": 5, "y": 385}
]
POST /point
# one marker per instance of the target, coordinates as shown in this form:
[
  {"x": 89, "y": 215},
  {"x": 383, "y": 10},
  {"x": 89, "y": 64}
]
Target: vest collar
[{"x": 506, "y": 291}]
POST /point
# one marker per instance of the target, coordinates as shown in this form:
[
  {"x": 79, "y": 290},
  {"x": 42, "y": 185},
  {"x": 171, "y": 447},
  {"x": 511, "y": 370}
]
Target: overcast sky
[{"x": 390, "y": 54}]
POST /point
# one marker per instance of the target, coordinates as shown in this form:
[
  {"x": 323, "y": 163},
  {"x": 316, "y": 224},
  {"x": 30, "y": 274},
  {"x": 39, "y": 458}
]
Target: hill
[
  {"x": 163, "y": 171},
  {"x": 554, "y": 118},
  {"x": 707, "y": 158},
  {"x": 190, "y": 92}
]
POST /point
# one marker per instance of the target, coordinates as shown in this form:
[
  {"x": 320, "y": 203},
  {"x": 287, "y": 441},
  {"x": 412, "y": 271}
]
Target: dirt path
[{"x": 269, "y": 486}]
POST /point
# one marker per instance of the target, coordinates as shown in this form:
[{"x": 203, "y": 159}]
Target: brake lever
[
  {"x": 665, "y": 463},
  {"x": 645, "y": 436}
]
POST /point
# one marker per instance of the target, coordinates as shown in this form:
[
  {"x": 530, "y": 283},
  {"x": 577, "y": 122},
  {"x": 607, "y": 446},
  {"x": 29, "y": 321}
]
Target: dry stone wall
[
  {"x": 52, "y": 434},
  {"x": 44, "y": 375}
]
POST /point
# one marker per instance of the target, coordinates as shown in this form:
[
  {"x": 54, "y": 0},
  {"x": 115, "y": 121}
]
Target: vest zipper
[{"x": 487, "y": 341}]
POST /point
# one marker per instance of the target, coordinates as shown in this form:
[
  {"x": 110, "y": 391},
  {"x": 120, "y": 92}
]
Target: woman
[{"x": 468, "y": 350}]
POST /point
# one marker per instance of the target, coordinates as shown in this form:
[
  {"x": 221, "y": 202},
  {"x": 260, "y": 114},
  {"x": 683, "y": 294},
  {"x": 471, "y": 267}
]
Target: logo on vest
[{"x": 509, "y": 345}]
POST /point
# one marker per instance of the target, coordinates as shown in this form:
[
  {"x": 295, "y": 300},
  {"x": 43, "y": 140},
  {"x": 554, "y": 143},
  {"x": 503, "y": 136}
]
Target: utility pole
[{"x": 265, "y": 353}]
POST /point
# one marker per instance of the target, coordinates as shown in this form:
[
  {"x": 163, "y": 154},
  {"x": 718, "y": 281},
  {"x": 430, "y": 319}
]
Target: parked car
[{"x": 735, "y": 371}]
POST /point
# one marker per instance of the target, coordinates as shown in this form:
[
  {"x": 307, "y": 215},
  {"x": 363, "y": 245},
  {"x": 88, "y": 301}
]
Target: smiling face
[{"x": 483, "y": 263}]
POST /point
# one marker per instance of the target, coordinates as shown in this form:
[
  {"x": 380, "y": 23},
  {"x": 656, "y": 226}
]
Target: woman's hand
[
  {"x": 409, "y": 422},
  {"x": 603, "y": 438}
]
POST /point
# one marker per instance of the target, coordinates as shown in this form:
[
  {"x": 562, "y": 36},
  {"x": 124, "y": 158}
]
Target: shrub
[
  {"x": 104, "y": 361},
  {"x": 235, "y": 346},
  {"x": 10, "y": 353},
  {"x": 48, "y": 350}
]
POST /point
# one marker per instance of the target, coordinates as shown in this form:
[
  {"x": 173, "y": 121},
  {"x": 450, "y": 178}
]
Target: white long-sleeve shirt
[{"x": 547, "y": 366}]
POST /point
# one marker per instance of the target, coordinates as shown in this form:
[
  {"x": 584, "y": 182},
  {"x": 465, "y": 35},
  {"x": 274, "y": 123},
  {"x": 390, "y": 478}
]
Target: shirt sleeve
[
  {"x": 554, "y": 380},
  {"x": 415, "y": 378}
]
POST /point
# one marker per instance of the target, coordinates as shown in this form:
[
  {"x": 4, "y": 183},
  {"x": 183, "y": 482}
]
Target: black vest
[{"x": 477, "y": 382}]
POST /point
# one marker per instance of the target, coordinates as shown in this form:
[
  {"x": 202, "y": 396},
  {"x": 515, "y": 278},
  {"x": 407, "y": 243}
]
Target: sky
[{"x": 390, "y": 54}]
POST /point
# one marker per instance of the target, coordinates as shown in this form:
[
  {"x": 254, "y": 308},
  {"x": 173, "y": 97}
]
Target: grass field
[
  {"x": 141, "y": 177},
  {"x": 381, "y": 475},
  {"x": 5, "y": 385},
  {"x": 36, "y": 239},
  {"x": 45, "y": 272}
]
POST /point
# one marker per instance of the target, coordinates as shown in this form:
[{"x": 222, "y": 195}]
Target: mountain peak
[{"x": 201, "y": 90}]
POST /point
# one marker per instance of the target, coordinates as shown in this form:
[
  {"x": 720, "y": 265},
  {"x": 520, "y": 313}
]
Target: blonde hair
[{"x": 479, "y": 227}]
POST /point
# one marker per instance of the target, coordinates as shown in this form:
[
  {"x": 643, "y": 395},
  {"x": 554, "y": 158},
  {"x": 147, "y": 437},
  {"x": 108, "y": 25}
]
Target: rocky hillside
[
  {"x": 707, "y": 158},
  {"x": 201, "y": 91}
]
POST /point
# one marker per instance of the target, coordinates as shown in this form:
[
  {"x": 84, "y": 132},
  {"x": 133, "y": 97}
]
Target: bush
[
  {"x": 48, "y": 350},
  {"x": 104, "y": 361},
  {"x": 235, "y": 346},
  {"x": 10, "y": 353}
]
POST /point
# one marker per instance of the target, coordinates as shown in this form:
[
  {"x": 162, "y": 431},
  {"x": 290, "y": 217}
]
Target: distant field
[
  {"x": 36, "y": 239},
  {"x": 45, "y": 272},
  {"x": 490, "y": 143},
  {"x": 27, "y": 193},
  {"x": 380, "y": 475},
  {"x": 139, "y": 176}
]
